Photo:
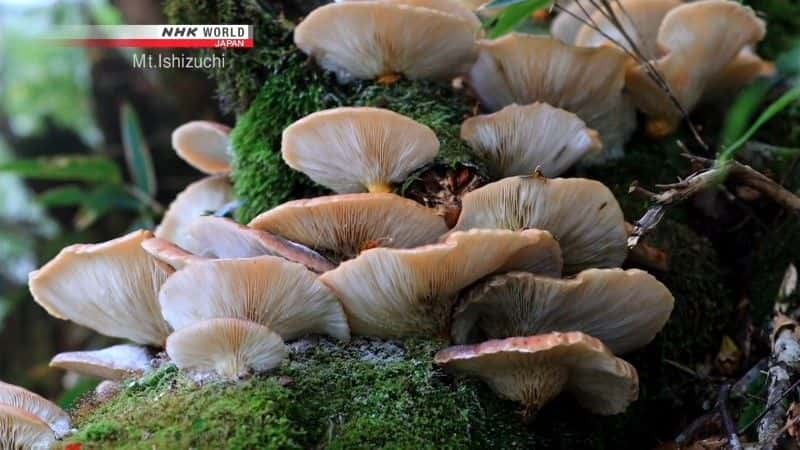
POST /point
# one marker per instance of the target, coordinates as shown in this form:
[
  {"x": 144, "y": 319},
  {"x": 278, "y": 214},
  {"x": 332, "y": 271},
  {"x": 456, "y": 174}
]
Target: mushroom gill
[
  {"x": 281, "y": 295},
  {"x": 32, "y": 403},
  {"x": 110, "y": 287},
  {"x": 410, "y": 292},
  {"x": 370, "y": 39},
  {"x": 231, "y": 348},
  {"x": 21, "y": 430},
  {"x": 204, "y": 145},
  {"x": 199, "y": 198},
  {"x": 221, "y": 238},
  {"x": 519, "y": 139},
  {"x": 345, "y": 225},
  {"x": 582, "y": 215},
  {"x": 534, "y": 370},
  {"x": 623, "y": 308},
  {"x": 358, "y": 149},
  {"x": 118, "y": 362},
  {"x": 589, "y": 82}
]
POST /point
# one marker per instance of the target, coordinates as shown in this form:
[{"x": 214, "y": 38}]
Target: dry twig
[{"x": 711, "y": 177}]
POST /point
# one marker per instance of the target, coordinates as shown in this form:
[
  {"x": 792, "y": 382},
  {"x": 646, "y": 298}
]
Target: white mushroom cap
[
  {"x": 367, "y": 39},
  {"x": 524, "y": 69},
  {"x": 110, "y": 287},
  {"x": 358, "y": 149},
  {"x": 232, "y": 348},
  {"x": 410, "y": 292},
  {"x": 170, "y": 256},
  {"x": 640, "y": 19},
  {"x": 533, "y": 370},
  {"x": 22, "y": 430},
  {"x": 199, "y": 198},
  {"x": 118, "y": 362},
  {"x": 32, "y": 403},
  {"x": 698, "y": 41},
  {"x": 204, "y": 145},
  {"x": 281, "y": 295},
  {"x": 344, "y": 225},
  {"x": 623, "y": 308},
  {"x": 218, "y": 238},
  {"x": 456, "y": 8},
  {"x": 519, "y": 139},
  {"x": 582, "y": 215},
  {"x": 566, "y": 26}
]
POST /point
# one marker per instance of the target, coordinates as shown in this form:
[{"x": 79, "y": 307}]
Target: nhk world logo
[{"x": 155, "y": 36}]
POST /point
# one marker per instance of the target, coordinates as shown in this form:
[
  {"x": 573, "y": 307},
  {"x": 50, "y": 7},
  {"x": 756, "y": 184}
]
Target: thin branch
[
  {"x": 675, "y": 193},
  {"x": 771, "y": 405},
  {"x": 727, "y": 421}
]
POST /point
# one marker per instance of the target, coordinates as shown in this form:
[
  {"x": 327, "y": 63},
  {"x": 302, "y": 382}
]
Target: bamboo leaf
[
  {"x": 514, "y": 15},
  {"x": 88, "y": 169},
  {"x": 498, "y": 4},
  {"x": 62, "y": 196},
  {"x": 772, "y": 110},
  {"x": 137, "y": 154}
]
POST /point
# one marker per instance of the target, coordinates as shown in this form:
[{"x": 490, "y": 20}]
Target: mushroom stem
[
  {"x": 388, "y": 79},
  {"x": 660, "y": 128},
  {"x": 540, "y": 384},
  {"x": 379, "y": 188}
]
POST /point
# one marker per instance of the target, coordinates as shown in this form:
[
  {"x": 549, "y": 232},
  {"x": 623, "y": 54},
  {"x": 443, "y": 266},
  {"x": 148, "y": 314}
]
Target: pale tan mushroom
[
  {"x": 698, "y": 42},
  {"x": 32, "y": 403},
  {"x": 582, "y": 215},
  {"x": 358, "y": 149},
  {"x": 371, "y": 39},
  {"x": 117, "y": 363},
  {"x": 199, "y": 198},
  {"x": 170, "y": 256},
  {"x": 281, "y": 295},
  {"x": 22, "y": 430},
  {"x": 624, "y": 309},
  {"x": 533, "y": 370},
  {"x": 457, "y": 8},
  {"x": 110, "y": 287},
  {"x": 640, "y": 20},
  {"x": 344, "y": 225},
  {"x": 519, "y": 139},
  {"x": 232, "y": 348},
  {"x": 746, "y": 68},
  {"x": 568, "y": 23},
  {"x": 220, "y": 238},
  {"x": 524, "y": 69},
  {"x": 410, "y": 292},
  {"x": 204, "y": 145}
]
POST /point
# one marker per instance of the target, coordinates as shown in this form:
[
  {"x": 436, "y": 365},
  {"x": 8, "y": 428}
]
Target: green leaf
[
  {"x": 88, "y": 169},
  {"x": 514, "y": 15},
  {"x": 498, "y": 4},
  {"x": 772, "y": 110},
  {"x": 102, "y": 201},
  {"x": 741, "y": 112},
  {"x": 62, "y": 196},
  {"x": 137, "y": 155}
]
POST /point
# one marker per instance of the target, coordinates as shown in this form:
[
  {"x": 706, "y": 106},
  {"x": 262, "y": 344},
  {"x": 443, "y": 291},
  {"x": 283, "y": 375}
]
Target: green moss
[
  {"x": 277, "y": 84},
  {"x": 262, "y": 180},
  {"x": 371, "y": 394}
]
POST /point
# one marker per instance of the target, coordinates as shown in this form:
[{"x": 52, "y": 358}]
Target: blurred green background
[{"x": 73, "y": 125}]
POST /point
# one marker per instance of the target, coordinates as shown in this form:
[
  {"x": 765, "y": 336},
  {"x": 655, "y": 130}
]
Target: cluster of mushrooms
[
  {"x": 525, "y": 280},
  {"x": 702, "y": 49}
]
